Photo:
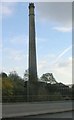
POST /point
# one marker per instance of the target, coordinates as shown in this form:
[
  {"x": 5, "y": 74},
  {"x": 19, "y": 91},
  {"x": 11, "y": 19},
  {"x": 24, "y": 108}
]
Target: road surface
[
  {"x": 25, "y": 109},
  {"x": 55, "y": 115}
]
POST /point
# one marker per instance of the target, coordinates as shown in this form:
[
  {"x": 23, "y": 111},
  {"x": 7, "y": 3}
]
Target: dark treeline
[{"x": 15, "y": 88}]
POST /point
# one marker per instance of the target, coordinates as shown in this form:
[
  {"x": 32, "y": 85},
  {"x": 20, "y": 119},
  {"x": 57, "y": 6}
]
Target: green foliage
[
  {"x": 73, "y": 92},
  {"x": 3, "y": 75},
  {"x": 13, "y": 88},
  {"x": 48, "y": 78},
  {"x": 0, "y": 82},
  {"x": 16, "y": 89},
  {"x": 42, "y": 94},
  {"x": 19, "y": 91},
  {"x": 7, "y": 89},
  {"x": 26, "y": 75},
  {"x": 56, "y": 96},
  {"x": 0, "y": 89}
]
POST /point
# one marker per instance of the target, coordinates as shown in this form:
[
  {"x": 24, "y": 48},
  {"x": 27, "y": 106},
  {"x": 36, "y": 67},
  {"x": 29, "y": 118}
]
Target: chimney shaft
[{"x": 32, "y": 45}]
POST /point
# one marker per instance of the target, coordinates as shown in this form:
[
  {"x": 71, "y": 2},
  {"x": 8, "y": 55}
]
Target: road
[
  {"x": 0, "y": 110},
  {"x": 56, "y": 115},
  {"x": 25, "y": 109},
  {"x": 66, "y": 115}
]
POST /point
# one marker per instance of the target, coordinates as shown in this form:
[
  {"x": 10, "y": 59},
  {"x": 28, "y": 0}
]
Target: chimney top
[{"x": 31, "y": 5}]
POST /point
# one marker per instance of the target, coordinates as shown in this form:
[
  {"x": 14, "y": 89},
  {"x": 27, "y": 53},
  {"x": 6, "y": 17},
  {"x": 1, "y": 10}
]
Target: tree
[
  {"x": 73, "y": 92},
  {"x": 48, "y": 78},
  {"x": 0, "y": 89},
  {"x": 7, "y": 89},
  {"x": 19, "y": 90},
  {"x": 42, "y": 93},
  {"x": 3, "y": 74},
  {"x": 26, "y": 75},
  {"x": 13, "y": 75}
]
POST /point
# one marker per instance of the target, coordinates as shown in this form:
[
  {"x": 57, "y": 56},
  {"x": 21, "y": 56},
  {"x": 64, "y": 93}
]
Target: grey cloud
[
  {"x": 63, "y": 64},
  {"x": 7, "y": 8},
  {"x": 57, "y": 12}
]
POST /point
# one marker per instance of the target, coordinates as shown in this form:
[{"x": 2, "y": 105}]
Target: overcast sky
[{"x": 53, "y": 38}]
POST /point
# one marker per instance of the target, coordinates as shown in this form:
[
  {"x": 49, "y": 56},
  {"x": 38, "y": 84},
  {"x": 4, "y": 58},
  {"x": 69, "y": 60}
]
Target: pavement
[{"x": 28, "y": 109}]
